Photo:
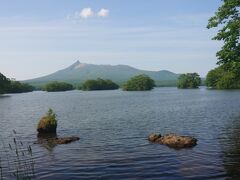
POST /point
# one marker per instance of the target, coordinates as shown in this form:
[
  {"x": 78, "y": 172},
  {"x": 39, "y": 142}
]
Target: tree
[
  {"x": 139, "y": 83},
  {"x": 99, "y": 84},
  {"x": 18, "y": 87},
  {"x": 58, "y": 86},
  {"x": 228, "y": 17},
  {"x": 4, "y": 83},
  {"x": 189, "y": 81},
  {"x": 218, "y": 78},
  {"x": 213, "y": 77}
]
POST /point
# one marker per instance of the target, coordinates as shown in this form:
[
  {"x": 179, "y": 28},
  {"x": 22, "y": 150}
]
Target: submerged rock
[
  {"x": 173, "y": 140},
  {"x": 51, "y": 140},
  {"x": 66, "y": 140},
  {"x": 154, "y": 137}
]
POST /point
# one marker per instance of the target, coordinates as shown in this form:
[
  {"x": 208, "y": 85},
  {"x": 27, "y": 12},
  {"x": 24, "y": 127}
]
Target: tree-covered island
[
  {"x": 139, "y": 83},
  {"x": 98, "y": 84},
  {"x": 58, "y": 86},
  {"x": 189, "y": 81}
]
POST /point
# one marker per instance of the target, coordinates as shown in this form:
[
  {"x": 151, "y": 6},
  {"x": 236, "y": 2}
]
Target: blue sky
[{"x": 40, "y": 37}]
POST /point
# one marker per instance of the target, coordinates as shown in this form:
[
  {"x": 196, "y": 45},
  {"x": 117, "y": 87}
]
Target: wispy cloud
[{"x": 103, "y": 12}]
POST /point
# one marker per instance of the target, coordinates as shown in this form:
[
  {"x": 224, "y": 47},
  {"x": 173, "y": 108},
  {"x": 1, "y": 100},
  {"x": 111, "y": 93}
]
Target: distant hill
[{"x": 78, "y": 72}]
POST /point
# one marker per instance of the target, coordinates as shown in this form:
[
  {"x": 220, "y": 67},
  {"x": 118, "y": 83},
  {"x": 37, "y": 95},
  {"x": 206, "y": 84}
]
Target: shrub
[
  {"x": 48, "y": 123},
  {"x": 139, "y": 83}
]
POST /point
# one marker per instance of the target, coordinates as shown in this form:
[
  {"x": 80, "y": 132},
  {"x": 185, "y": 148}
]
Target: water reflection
[
  {"x": 48, "y": 141},
  {"x": 4, "y": 96},
  {"x": 230, "y": 143}
]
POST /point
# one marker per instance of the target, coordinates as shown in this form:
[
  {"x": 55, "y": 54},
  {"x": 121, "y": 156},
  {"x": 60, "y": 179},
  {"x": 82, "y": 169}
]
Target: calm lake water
[{"x": 114, "y": 125}]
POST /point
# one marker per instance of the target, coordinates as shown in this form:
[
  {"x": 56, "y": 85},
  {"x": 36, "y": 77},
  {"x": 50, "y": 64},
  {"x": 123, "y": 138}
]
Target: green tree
[
  {"x": 228, "y": 18},
  {"x": 219, "y": 78},
  {"x": 139, "y": 83},
  {"x": 18, "y": 87},
  {"x": 189, "y": 81},
  {"x": 213, "y": 77},
  {"x": 4, "y": 83},
  {"x": 99, "y": 84},
  {"x": 58, "y": 86}
]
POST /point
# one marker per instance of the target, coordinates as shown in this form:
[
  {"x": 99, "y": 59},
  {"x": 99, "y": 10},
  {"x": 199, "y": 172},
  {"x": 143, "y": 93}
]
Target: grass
[{"x": 16, "y": 159}]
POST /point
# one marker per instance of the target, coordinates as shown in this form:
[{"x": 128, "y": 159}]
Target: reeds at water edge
[{"x": 16, "y": 159}]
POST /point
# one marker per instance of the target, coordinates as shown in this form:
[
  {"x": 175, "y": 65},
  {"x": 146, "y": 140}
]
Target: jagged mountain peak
[{"x": 77, "y": 65}]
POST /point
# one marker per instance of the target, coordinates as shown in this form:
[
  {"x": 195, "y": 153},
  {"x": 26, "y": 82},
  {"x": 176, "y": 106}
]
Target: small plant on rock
[{"x": 48, "y": 123}]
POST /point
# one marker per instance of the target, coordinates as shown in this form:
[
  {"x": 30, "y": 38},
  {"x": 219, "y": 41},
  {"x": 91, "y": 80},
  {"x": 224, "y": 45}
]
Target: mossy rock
[
  {"x": 48, "y": 123},
  {"x": 173, "y": 140}
]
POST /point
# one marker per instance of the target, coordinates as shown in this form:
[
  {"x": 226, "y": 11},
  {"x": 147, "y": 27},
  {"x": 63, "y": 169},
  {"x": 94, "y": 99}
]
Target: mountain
[{"x": 78, "y": 72}]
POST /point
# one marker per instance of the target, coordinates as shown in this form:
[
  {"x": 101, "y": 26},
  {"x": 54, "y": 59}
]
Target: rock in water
[
  {"x": 51, "y": 140},
  {"x": 154, "y": 137},
  {"x": 173, "y": 140},
  {"x": 48, "y": 123},
  {"x": 66, "y": 140}
]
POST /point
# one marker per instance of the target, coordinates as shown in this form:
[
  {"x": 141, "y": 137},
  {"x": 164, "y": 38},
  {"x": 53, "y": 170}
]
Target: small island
[
  {"x": 99, "y": 84},
  {"x": 189, "y": 81},
  {"x": 48, "y": 123},
  {"x": 47, "y": 131},
  {"x": 139, "y": 83},
  {"x": 58, "y": 86}
]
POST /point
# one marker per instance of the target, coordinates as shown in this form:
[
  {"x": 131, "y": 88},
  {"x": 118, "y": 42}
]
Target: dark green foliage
[
  {"x": 58, "y": 86},
  {"x": 228, "y": 18},
  {"x": 219, "y": 78},
  {"x": 18, "y": 87},
  {"x": 213, "y": 77},
  {"x": 227, "y": 75},
  {"x": 139, "y": 83},
  {"x": 4, "y": 83},
  {"x": 189, "y": 80},
  {"x": 99, "y": 84}
]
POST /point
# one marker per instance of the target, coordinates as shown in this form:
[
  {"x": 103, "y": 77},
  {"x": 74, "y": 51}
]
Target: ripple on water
[{"x": 114, "y": 125}]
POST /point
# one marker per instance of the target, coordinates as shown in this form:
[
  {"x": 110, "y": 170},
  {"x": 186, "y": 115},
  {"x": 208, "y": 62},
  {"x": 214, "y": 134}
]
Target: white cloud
[
  {"x": 103, "y": 12},
  {"x": 85, "y": 13}
]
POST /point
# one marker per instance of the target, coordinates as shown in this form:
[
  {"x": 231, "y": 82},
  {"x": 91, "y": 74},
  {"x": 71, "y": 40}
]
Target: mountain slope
[{"x": 79, "y": 72}]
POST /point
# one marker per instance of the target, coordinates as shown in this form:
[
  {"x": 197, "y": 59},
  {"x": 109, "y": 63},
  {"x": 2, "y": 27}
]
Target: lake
[{"x": 114, "y": 126}]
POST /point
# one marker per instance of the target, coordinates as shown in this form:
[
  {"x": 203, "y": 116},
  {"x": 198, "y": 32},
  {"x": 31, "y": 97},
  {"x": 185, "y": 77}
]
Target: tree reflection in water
[{"x": 230, "y": 144}]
